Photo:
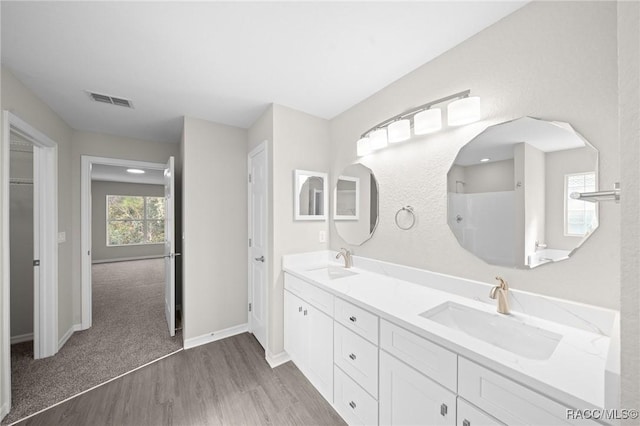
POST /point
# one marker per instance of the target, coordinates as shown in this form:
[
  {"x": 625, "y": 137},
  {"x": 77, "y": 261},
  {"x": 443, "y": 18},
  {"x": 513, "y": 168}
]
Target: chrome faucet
[
  {"x": 346, "y": 254},
  {"x": 501, "y": 292}
]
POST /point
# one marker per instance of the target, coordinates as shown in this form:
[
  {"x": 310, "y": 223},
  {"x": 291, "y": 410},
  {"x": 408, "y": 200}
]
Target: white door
[
  {"x": 258, "y": 243},
  {"x": 169, "y": 248}
]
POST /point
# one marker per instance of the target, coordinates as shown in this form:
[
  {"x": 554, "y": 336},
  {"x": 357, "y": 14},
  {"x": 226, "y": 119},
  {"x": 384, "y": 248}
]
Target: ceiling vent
[{"x": 111, "y": 100}]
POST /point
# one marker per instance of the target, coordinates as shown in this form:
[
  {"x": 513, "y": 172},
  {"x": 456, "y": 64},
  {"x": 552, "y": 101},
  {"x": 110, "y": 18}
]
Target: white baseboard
[
  {"x": 67, "y": 335},
  {"x": 216, "y": 335},
  {"x": 21, "y": 338},
  {"x": 277, "y": 359},
  {"x": 126, "y": 259}
]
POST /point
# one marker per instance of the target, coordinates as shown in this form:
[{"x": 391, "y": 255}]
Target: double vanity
[{"x": 389, "y": 344}]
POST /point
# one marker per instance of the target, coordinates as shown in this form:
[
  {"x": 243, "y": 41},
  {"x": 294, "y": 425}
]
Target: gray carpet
[{"x": 129, "y": 330}]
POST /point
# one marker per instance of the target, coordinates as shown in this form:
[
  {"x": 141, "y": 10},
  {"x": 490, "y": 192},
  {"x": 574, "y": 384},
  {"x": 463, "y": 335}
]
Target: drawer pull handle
[
  {"x": 305, "y": 312},
  {"x": 353, "y": 319},
  {"x": 443, "y": 410},
  {"x": 352, "y": 356},
  {"x": 299, "y": 308},
  {"x": 466, "y": 422},
  {"x": 352, "y": 405}
]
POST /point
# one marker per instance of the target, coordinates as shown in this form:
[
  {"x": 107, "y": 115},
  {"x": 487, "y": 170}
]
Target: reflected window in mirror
[
  {"x": 347, "y": 198},
  {"x": 310, "y": 195},
  {"x": 507, "y": 193},
  {"x": 355, "y": 202},
  {"x": 580, "y": 217}
]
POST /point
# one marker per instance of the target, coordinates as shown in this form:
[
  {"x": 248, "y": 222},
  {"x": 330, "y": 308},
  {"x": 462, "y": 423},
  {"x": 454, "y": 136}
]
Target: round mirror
[
  {"x": 509, "y": 193},
  {"x": 355, "y": 204}
]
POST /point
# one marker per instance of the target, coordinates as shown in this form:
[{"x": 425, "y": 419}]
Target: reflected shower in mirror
[
  {"x": 310, "y": 195},
  {"x": 509, "y": 193},
  {"x": 355, "y": 204}
]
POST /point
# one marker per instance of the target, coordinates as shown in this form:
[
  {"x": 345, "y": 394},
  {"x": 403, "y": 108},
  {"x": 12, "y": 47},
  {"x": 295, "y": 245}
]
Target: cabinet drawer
[
  {"x": 357, "y": 319},
  {"x": 430, "y": 359},
  {"x": 350, "y": 401},
  {"x": 468, "y": 415},
  {"x": 507, "y": 400},
  {"x": 357, "y": 357},
  {"x": 309, "y": 293}
]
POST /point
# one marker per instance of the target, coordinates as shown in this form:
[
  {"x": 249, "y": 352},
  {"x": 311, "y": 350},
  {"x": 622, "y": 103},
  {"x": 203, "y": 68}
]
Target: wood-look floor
[{"x": 227, "y": 382}]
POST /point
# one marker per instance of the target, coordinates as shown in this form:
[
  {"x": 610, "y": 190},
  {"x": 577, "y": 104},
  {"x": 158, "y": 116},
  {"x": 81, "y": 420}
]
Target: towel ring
[{"x": 410, "y": 210}]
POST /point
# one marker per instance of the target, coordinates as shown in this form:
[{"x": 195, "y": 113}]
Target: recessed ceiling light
[
  {"x": 484, "y": 160},
  {"x": 135, "y": 171}
]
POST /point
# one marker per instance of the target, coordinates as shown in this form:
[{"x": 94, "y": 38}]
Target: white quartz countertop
[{"x": 573, "y": 375}]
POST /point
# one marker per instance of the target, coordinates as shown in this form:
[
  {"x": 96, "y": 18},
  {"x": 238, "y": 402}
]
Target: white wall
[
  {"x": 99, "y": 249},
  {"x": 99, "y": 145},
  {"x": 214, "y": 209},
  {"x": 629, "y": 125},
  {"x": 553, "y": 60}
]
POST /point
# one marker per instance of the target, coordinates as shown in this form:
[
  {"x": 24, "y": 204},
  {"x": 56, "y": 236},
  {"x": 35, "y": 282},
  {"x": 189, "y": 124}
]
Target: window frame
[
  {"x": 566, "y": 203},
  {"x": 144, "y": 220}
]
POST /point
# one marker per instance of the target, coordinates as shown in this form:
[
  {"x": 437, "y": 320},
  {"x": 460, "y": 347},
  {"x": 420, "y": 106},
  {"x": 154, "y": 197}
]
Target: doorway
[
  {"x": 169, "y": 255},
  {"x": 43, "y": 183},
  {"x": 258, "y": 260}
]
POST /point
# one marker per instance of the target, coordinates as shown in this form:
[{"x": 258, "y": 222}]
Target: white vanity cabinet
[{"x": 308, "y": 339}]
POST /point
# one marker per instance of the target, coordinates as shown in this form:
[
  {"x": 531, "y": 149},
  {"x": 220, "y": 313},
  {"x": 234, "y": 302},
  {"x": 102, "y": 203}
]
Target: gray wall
[
  {"x": 21, "y": 244},
  {"x": 553, "y": 60},
  {"x": 99, "y": 249},
  {"x": 214, "y": 209}
]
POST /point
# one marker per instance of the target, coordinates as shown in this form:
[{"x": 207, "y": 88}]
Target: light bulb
[
  {"x": 463, "y": 111},
  {"x": 399, "y": 131},
  {"x": 363, "y": 147},
  {"x": 427, "y": 121},
  {"x": 378, "y": 139}
]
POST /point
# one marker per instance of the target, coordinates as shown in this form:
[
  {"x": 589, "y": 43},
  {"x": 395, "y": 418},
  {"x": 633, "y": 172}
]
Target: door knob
[{"x": 260, "y": 259}]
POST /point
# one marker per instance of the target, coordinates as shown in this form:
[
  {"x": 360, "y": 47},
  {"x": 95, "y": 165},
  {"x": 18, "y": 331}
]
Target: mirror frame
[
  {"x": 337, "y": 216},
  {"x": 296, "y": 195}
]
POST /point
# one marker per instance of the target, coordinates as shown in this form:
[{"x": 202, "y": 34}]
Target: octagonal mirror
[{"x": 509, "y": 193}]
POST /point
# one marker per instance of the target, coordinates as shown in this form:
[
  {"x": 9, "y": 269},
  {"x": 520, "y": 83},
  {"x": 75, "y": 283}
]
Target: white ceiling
[
  {"x": 223, "y": 61},
  {"x": 107, "y": 173},
  {"x": 497, "y": 142}
]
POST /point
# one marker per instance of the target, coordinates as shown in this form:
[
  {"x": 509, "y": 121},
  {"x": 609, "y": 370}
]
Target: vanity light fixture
[
  {"x": 463, "y": 110},
  {"x": 135, "y": 171}
]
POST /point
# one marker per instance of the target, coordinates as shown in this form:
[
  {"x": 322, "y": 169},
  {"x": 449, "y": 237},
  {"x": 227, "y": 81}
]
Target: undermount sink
[
  {"x": 505, "y": 332},
  {"x": 335, "y": 272}
]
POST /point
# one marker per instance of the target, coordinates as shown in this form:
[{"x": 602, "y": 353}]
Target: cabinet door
[
  {"x": 409, "y": 398},
  {"x": 294, "y": 336},
  {"x": 319, "y": 339}
]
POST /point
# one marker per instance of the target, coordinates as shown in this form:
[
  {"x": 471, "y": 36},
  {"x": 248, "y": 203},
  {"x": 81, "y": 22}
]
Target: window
[
  {"x": 580, "y": 217},
  {"x": 134, "y": 220}
]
